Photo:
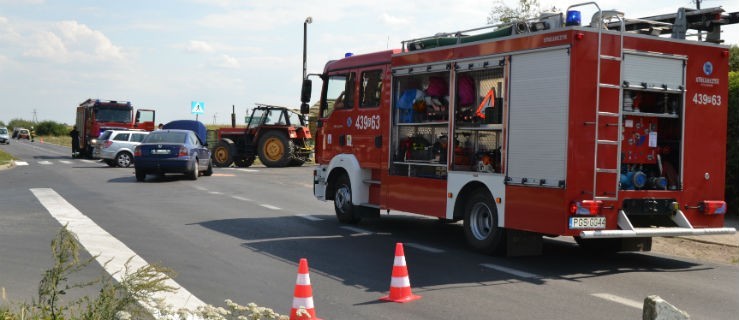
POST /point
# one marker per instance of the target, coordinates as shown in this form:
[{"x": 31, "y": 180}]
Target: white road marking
[
  {"x": 271, "y": 207},
  {"x": 21, "y": 163},
  {"x": 88, "y": 161},
  {"x": 247, "y": 170},
  {"x": 617, "y": 299},
  {"x": 309, "y": 217},
  {"x": 422, "y": 247},
  {"x": 65, "y": 161},
  {"x": 112, "y": 254},
  {"x": 215, "y": 192},
  {"x": 200, "y": 188},
  {"x": 242, "y": 198},
  {"x": 517, "y": 273},
  {"x": 44, "y": 162},
  {"x": 357, "y": 231}
]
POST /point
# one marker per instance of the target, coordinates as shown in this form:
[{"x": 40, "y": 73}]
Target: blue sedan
[{"x": 172, "y": 151}]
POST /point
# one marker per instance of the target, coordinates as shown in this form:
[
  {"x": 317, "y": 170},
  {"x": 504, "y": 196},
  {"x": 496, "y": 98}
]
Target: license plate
[
  {"x": 587, "y": 222},
  {"x": 159, "y": 151}
]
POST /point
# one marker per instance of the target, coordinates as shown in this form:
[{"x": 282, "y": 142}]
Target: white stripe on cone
[
  {"x": 307, "y": 303},
  {"x": 400, "y": 282},
  {"x": 399, "y": 261},
  {"x": 303, "y": 279}
]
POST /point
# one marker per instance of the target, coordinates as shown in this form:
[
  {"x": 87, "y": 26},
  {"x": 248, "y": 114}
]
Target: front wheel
[
  {"x": 481, "y": 223},
  {"x": 124, "y": 159},
  {"x": 346, "y": 212}
]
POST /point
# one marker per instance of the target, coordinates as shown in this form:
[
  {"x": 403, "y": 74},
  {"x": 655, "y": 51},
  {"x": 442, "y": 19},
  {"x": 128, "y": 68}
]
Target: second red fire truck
[{"x": 604, "y": 131}]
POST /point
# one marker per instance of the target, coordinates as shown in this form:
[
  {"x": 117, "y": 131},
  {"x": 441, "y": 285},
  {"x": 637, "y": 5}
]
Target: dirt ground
[{"x": 696, "y": 249}]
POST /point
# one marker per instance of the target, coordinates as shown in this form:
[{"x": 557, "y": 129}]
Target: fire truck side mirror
[
  {"x": 304, "y": 108},
  {"x": 306, "y": 91}
]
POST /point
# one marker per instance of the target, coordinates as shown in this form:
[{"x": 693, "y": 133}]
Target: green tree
[
  {"x": 51, "y": 128},
  {"x": 732, "y": 141},
  {"x": 20, "y": 123},
  {"x": 734, "y": 58},
  {"x": 501, "y": 13}
]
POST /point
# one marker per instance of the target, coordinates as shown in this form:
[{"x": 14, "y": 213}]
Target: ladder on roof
[{"x": 608, "y": 117}]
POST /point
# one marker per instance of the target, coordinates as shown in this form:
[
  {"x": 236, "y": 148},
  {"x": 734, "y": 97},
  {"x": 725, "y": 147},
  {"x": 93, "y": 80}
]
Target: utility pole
[
  {"x": 35, "y": 119},
  {"x": 214, "y": 117}
]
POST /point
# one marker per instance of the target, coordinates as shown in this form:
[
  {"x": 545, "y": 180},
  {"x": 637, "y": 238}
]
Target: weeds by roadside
[
  {"x": 131, "y": 298},
  {"x": 5, "y": 158}
]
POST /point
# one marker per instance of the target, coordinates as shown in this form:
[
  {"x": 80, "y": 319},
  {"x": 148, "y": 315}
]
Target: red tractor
[{"x": 279, "y": 136}]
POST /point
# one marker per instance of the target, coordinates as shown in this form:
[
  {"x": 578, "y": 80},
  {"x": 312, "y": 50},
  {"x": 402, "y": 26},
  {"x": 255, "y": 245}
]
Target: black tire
[
  {"x": 223, "y": 153},
  {"x": 275, "y": 150},
  {"x": 245, "y": 163},
  {"x": 346, "y": 212},
  {"x": 140, "y": 176},
  {"x": 193, "y": 173},
  {"x": 481, "y": 223},
  {"x": 209, "y": 172},
  {"x": 124, "y": 159},
  {"x": 110, "y": 163}
]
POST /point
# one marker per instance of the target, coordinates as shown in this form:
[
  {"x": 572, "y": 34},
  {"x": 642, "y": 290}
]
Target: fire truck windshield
[{"x": 113, "y": 115}]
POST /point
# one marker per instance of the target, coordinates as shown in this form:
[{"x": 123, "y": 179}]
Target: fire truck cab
[
  {"x": 604, "y": 131},
  {"x": 94, "y": 116}
]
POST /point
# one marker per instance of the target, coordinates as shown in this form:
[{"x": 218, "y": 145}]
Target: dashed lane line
[
  {"x": 21, "y": 163},
  {"x": 44, "y": 162},
  {"x": 65, "y": 161},
  {"x": 422, "y": 247},
  {"x": 517, "y": 273},
  {"x": 617, "y": 299},
  {"x": 357, "y": 231},
  {"x": 309, "y": 217},
  {"x": 242, "y": 198},
  {"x": 112, "y": 254},
  {"x": 271, "y": 207},
  {"x": 246, "y": 170}
]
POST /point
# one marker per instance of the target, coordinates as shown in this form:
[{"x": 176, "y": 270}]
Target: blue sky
[{"x": 165, "y": 54}]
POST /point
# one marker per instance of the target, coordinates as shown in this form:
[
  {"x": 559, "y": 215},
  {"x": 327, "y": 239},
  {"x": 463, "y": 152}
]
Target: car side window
[
  {"x": 137, "y": 137},
  {"x": 121, "y": 137},
  {"x": 194, "y": 139}
]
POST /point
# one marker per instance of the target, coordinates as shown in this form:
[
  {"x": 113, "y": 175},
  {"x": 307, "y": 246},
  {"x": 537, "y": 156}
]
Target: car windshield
[
  {"x": 166, "y": 137},
  {"x": 113, "y": 115},
  {"x": 3, "y": 131}
]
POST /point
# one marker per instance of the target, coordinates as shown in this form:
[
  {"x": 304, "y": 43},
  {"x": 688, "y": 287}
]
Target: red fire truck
[
  {"x": 605, "y": 131},
  {"x": 95, "y": 116}
]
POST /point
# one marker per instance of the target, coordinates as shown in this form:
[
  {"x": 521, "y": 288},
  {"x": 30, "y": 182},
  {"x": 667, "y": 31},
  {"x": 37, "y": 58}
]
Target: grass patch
[
  {"x": 59, "y": 140},
  {"x": 5, "y": 158},
  {"x": 133, "y": 297}
]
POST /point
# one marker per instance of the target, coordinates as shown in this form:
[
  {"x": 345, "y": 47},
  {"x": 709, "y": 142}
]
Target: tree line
[{"x": 43, "y": 128}]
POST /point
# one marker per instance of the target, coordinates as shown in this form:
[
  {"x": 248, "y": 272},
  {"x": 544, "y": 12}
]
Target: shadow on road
[{"x": 362, "y": 256}]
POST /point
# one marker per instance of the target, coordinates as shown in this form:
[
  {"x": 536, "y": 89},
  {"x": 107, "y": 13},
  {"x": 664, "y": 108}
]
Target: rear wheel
[
  {"x": 193, "y": 173},
  {"x": 140, "y": 175},
  {"x": 274, "y": 149},
  {"x": 209, "y": 172},
  {"x": 124, "y": 159},
  {"x": 223, "y": 154},
  {"x": 346, "y": 212},
  {"x": 481, "y": 223}
]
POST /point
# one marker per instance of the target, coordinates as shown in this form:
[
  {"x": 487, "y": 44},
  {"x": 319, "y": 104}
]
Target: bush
[{"x": 51, "y": 128}]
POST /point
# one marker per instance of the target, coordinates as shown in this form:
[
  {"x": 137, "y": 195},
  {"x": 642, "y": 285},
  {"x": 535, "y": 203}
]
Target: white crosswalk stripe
[
  {"x": 44, "y": 162},
  {"x": 21, "y": 163}
]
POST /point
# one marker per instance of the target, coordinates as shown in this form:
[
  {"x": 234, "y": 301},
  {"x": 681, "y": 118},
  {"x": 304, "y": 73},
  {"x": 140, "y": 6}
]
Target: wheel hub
[
  {"x": 342, "y": 198},
  {"x": 481, "y": 221}
]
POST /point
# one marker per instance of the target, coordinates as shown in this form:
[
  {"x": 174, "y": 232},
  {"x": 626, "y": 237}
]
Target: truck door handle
[
  {"x": 378, "y": 141},
  {"x": 342, "y": 140}
]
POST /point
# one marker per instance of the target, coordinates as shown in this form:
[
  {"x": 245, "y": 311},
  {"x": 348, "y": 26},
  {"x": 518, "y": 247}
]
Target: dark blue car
[{"x": 178, "y": 148}]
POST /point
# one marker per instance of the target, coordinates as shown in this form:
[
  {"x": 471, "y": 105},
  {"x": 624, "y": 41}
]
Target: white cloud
[
  {"x": 72, "y": 41},
  {"x": 393, "y": 20},
  {"x": 227, "y": 62},
  {"x": 199, "y": 47}
]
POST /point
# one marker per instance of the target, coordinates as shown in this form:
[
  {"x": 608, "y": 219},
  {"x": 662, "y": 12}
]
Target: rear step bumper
[{"x": 684, "y": 228}]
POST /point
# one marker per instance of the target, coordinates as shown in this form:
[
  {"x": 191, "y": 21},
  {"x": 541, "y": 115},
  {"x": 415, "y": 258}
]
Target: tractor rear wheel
[
  {"x": 223, "y": 153},
  {"x": 275, "y": 150}
]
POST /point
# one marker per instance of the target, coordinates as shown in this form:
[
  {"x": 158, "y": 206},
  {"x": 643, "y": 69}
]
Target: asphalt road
[{"x": 240, "y": 233}]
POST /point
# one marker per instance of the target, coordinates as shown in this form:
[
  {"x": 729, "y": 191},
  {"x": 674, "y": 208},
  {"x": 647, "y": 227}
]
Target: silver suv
[
  {"x": 115, "y": 147},
  {"x": 4, "y": 137}
]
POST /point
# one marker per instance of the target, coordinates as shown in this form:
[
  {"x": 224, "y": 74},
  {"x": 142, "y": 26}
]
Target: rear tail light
[
  {"x": 107, "y": 144},
  {"x": 183, "y": 152},
  {"x": 712, "y": 207},
  {"x": 137, "y": 152},
  {"x": 586, "y": 207}
]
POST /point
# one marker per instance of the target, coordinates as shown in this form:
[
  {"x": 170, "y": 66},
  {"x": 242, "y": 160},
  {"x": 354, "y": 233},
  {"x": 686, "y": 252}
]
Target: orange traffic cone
[
  {"x": 400, "y": 284},
  {"x": 303, "y": 296}
]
